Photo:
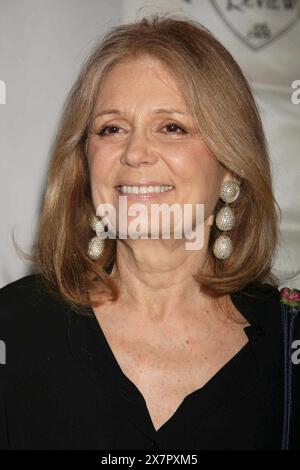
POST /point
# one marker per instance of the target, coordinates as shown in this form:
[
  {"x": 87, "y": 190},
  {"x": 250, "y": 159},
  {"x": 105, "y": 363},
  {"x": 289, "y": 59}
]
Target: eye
[
  {"x": 172, "y": 125},
  {"x": 103, "y": 129}
]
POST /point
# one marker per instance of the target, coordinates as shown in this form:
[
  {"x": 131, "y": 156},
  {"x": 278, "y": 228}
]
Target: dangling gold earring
[
  {"x": 225, "y": 219},
  {"x": 96, "y": 244}
]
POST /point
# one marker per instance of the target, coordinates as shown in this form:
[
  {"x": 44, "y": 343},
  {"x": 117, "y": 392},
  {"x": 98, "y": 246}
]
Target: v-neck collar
[{"x": 94, "y": 355}]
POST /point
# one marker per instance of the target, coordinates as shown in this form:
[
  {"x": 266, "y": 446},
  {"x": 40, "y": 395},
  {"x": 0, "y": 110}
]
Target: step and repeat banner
[{"x": 42, "y": 45}]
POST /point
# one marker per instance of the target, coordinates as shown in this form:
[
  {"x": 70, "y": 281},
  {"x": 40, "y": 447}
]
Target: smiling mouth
[{"x": 123, "y": 189}]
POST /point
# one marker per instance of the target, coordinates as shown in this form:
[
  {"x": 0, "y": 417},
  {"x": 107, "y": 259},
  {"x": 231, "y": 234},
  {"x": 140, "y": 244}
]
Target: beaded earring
[
  {"x": 96, "y": 244},
  {"x": 225, "y": 219}
]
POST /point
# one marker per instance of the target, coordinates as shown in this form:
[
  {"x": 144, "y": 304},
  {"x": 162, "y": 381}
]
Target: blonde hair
[{"x": 220, "y": 100}]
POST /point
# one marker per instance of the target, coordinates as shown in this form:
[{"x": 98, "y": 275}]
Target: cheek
[
  {"x": 100, "y": 166},
  {"x": 196, "y": 169},
  {"x": 198, "y": 176},
  {"x": 100, "y": 171}
]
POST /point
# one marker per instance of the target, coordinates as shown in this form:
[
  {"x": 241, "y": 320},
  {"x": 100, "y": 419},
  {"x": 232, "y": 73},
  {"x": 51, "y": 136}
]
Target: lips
[
  {"x": 143, "y": 182},
  {"x": 143, "y": 191}
]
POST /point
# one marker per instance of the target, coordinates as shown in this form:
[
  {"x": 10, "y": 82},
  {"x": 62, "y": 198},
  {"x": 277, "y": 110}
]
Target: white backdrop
[{"x": 42, "y": 45}]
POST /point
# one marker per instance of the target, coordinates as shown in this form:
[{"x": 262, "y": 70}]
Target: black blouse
[{"x": 62, "y": 387}]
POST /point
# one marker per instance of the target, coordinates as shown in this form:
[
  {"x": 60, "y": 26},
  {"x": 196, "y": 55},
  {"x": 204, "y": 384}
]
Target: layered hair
[{"x": 220, "y": 100}]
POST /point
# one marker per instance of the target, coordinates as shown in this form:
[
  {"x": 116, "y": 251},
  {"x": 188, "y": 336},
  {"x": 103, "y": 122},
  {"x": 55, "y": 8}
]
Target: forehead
[{"x": 140, "y": 79}]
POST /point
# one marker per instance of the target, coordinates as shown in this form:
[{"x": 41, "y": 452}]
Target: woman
[{"x": 129, "y": 342}]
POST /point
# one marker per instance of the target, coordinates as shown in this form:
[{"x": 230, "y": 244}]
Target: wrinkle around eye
[{"x": 103, "y": 129}]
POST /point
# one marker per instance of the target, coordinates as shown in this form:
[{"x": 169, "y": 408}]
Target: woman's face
[{"x": 136, "y": 143}]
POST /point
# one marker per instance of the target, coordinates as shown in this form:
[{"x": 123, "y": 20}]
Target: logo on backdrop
[{"x": 258, "y": 22}]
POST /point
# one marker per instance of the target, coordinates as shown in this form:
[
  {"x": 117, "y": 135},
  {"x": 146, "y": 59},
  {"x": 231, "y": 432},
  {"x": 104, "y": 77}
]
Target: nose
[{"x": 138, "y": 150}]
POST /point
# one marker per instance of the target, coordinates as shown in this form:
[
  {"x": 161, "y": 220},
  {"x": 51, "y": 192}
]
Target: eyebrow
[{"x": 156, "y": 111}]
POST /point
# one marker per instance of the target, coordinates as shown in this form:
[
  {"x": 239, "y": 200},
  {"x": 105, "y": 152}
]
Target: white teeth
[{"x": 144, "y": 189}]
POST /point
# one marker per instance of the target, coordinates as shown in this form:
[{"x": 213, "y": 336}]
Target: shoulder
[
  {"x": 27, "y": 299},
  {"x": 260, "y": 304},
  {"x": 25, "y": 285},
  {"x": 263, "y": 305},
  {"x": 33, "y": 320}
]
